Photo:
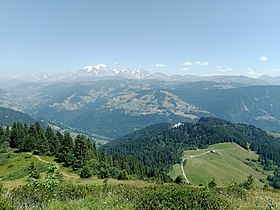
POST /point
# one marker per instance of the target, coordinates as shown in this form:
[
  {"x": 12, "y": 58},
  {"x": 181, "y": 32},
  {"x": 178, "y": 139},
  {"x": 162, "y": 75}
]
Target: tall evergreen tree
[
  {"x": 53, "y": 140},
  {"x": 66, "y": 150}
]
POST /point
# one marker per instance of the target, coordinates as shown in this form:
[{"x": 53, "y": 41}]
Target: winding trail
[
  {"x": 183, "y": 171},
  {"x": 194, "y": 156},
  {"x": 63, "y": 173}
]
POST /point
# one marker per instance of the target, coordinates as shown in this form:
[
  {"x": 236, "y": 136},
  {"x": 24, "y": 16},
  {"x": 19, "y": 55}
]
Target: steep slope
[
  {"x": 257, "y": 105},
  {"x": 9, "y": 116},
  {"x": 6, "y": 100}
]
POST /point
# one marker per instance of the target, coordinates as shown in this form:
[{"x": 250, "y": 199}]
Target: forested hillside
[
  {"x": 164, "y": 149},
  {"x": 9, "y": 116},
  {"x": 256, "y": 105}
]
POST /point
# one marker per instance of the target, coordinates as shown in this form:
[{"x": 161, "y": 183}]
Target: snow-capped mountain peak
[
  {"x": 93, "y": 72},
  {"x": 102, "y": 70},
  {"x": 96, "y": 67},
  {"x": 88, "y": 68}
]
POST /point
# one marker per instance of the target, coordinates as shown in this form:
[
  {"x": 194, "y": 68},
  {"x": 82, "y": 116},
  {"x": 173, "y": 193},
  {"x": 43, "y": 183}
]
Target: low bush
[{"x": 181, "y": 197}]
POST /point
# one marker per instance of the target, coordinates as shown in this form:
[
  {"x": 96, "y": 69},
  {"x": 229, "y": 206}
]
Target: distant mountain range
[
  {"x": 113, "y": 107},
  {"x": 102, "y": 71}
]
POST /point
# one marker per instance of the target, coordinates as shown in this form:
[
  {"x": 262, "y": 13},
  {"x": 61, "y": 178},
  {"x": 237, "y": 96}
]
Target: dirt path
[
  {"x": 183, "y": 171},
  {"x": 193, "y": 156},
  {"x": 64, "y": 174},
  {"x": 39, "y": 158}
]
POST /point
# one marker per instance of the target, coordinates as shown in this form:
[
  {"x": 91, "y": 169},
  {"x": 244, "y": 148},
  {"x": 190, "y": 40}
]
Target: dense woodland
[
  {"x": 78, "y": 153},
  {"x": 165, "y": 148}
]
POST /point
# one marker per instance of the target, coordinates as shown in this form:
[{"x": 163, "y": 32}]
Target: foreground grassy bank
[{"x": 67, "y": 195}]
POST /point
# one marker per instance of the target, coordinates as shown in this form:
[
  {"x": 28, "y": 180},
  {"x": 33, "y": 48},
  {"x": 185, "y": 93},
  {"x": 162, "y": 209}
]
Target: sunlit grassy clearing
[{"x": 226, "y": 166}]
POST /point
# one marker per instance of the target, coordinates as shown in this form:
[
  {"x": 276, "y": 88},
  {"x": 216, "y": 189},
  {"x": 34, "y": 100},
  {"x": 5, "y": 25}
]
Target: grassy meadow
[{"x": 227, "y": 163}]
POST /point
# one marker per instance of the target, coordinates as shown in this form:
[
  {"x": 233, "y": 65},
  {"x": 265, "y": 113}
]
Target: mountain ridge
[
  {"x": 9, "y": 116},
  {"x": 112, "y": 108},
  {"x": 103, "y": 71}
]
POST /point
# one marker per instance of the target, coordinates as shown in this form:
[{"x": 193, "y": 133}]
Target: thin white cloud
[
  {"x": 204, "y": 63},
  {"x": 160, "y": 65},
  {"x": 223, "y": 69},
  {"x": 187, "y": 63},
  {"x": 116, "y": 63},
  {"x": 263, "y": 59},
  {"x": 185, "y": 69},
  {"x": 195, "y": 63}
]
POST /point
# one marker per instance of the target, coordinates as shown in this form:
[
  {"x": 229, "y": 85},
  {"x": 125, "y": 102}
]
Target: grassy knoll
[
  {"x": 229, "y": 163},
  {"x": 14, "y": 168}
]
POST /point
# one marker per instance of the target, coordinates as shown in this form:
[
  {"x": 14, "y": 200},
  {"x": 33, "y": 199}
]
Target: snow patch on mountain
[{"x": 102, "y": 70}]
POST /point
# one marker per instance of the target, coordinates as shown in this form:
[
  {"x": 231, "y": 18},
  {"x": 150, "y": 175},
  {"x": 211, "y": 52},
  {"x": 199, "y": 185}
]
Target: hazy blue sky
[{"x": 171, "y": 36}]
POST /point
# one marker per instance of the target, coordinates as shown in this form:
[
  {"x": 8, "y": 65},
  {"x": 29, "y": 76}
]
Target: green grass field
[
  {"x": 14, "y": 168},
  {"x": 227, "y": 165}
]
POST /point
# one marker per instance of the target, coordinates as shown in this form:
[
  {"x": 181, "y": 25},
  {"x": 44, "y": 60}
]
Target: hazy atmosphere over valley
[{"x": 125, "y": 104}]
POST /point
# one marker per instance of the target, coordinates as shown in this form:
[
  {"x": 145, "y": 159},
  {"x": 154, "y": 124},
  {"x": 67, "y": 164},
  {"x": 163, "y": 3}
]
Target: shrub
[
  {"x": 179, "y": 180},
  {"x": 181, "y": 197},
  {"x": 5, "y": 206},
  {"x": 212, "y": 183},
  {"x": 249, "y": 183},
  {"x": 85, "y": 172}
]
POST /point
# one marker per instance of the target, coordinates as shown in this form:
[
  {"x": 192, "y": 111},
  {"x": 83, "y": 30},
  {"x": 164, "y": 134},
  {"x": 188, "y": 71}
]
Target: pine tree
[
  {"x": 81, "y": 151},
  {"x": 66, "y": 149},
  {"x": 54, "y": 143}
]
